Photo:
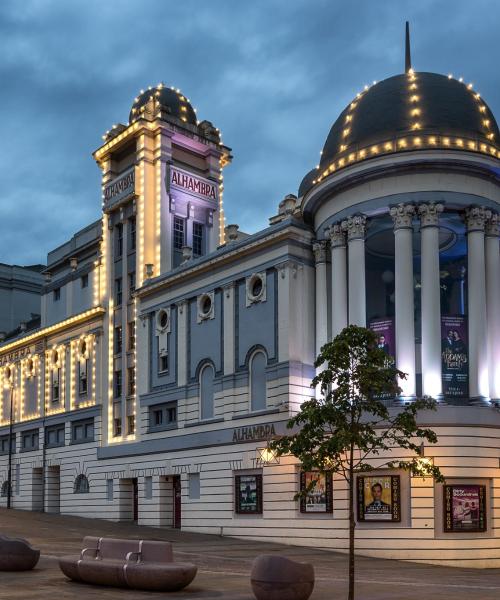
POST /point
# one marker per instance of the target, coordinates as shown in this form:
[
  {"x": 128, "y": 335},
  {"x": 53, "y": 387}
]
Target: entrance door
[
  {"x": 136, "y": 499},
  {"x": 53, "y": 488},
  {"x": 177, "y": 501},
  {"x": 37, "y": 489}
]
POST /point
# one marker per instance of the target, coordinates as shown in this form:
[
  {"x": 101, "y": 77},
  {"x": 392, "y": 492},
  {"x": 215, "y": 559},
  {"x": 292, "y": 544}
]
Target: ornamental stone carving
[
  {"x": 493, "y": 225},
  {"x": 476, "y": 217},
  {"x": 319, "y": 249},
  {"x": 429, "y": 214},
  {"x": 355, "y": 227},
  {"x": 337, "y": 235},
  {"x": 402, "y": 215}
]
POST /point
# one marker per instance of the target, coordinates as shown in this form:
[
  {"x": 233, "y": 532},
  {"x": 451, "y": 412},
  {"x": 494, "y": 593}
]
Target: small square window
[
  {"x": 84, "y": 281},
  {"x": 158, "y": 417},
  {"x": 57, "y": 294}
]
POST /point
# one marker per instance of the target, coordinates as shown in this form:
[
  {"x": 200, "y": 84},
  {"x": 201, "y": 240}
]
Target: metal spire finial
[{"x": 407, "y": 49}]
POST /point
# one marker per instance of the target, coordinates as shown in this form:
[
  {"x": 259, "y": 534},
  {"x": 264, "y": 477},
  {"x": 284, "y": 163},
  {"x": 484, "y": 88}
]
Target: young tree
[{"x": 350, "y": 425}]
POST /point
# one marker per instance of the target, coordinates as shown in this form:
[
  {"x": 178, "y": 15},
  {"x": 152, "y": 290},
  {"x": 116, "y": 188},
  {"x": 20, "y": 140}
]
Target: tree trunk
[{"x": 352, "y": 525}]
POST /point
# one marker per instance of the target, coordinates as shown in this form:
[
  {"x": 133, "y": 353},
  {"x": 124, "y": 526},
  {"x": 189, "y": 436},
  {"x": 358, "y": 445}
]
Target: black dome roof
[
  {"x": 384, "y": 111},
  {"x": 171, "y": 100}
]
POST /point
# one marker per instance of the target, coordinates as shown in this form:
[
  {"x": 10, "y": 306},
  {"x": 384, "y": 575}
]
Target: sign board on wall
[
  {"x": 454, "y": 356},
  {"x": 193, "y": 184},
  {"x": 120, "y": 188}
]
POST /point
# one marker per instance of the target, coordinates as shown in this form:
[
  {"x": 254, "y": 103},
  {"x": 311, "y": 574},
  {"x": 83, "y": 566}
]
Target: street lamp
[{"x": 11, "y": 426}]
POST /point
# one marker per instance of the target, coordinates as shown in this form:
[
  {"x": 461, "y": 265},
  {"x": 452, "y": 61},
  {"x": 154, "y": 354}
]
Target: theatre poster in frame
[
  {"x": 320, "y": 498},
  {"x": 464, "y": 508},
  {"x": 379, "y": 498}
]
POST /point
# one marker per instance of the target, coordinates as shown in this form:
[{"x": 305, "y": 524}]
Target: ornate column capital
[
  {"x": 429, "y": 214},
  {"x": 493, "y": 225},
  {"x": 355, "y": 227},
  {"x": 476, "y": 217},
  {"x": 402, "y": 215},
  {"x": 319, "y": 249},
  {"x": 337, "y": 235}
]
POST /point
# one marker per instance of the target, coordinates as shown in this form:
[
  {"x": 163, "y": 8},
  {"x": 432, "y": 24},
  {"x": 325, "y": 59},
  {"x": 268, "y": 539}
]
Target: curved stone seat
[
  {"x": 276, "y": 577},
  {"x": 17, "y": 554},
  {"x": 136, "y": 564}
]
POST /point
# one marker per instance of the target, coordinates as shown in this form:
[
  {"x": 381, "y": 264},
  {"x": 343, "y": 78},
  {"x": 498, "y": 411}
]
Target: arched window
[
  {"x": 81, "y": 485},
  {"x": 258, "y": 394},
  {"x": 207, "y": 392},
  {"x": 5, "y": 489}
]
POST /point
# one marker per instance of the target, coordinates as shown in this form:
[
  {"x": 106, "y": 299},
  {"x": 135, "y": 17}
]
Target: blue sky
[{"x": 273, "y": 75}]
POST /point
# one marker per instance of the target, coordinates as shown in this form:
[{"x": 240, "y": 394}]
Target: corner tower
[{"x": 162, "y": 196}]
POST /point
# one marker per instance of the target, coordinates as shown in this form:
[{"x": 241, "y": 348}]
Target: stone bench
[
  {"x": 17, "y": 554},
  {"x": 136, "y": 564},
  {"x": 276, "y": 577}
]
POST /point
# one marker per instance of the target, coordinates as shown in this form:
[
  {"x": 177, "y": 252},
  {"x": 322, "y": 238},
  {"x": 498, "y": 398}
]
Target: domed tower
[
  {"x": 406, "y": 199},
  {"x": 162, "y": 187}
]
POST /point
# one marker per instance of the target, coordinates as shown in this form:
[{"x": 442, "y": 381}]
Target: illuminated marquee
[{"x": 187, "y": 182}]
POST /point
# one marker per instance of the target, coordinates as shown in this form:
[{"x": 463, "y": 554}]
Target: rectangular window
[
  {"x": 131, "y": 335},
  {"x": 179, "y": 233},
  {"x": 119, "y": 239},
  {"x": 118, "y": 340},
  {"x": 54, "y": 436},
  {"x": 117, "y": 384},
  {"x": 130, "y": 424},
  {"x": 84, "y": 281},
  {"x": 57, "y": 294},
  {"x": 29, "y": 440},
  {"x": 83, "y": 368},
  {"x": 148, "y": 488},
  {"x": 131, "y": 381},
  {"x": 82, "y": 431},
  {"x": 4, "y": 444},
  {"x": 163, "y": 363},
  {"x": 163, "y": 416},
  {"x": 109, "y": 490},
  {"x": 194, "y": 486},
  {"x": 198, "y": 239},
  {"x": 132, "y": 229},
  {"x": 117, "y": 426},
  {"x": 118, "y": 291},
  {"x": 55, "y": 375},
  {"x": 131, "y": 283},
  {"x": 248, "y": 494}
]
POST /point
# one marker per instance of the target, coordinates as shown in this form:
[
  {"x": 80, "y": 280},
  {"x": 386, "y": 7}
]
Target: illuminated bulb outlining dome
[{"x": 170, "y": 99}]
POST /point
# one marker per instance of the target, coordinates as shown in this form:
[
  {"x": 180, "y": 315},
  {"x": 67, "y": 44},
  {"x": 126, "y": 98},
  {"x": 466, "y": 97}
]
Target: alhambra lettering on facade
[
  {"x": 256, "y": 433},
  {"x": 120, "y": 186},
  {"x": 190, "y": 183}
]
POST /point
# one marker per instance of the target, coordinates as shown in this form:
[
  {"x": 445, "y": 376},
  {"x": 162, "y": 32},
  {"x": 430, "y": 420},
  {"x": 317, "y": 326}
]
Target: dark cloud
[{"x": 272, "y": 74}]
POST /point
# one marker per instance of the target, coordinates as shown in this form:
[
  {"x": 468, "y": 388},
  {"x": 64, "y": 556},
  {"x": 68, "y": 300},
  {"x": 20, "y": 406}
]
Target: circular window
[
  {"x": 162, "y": 319},
  {"x": 256, "y": 286},
  {"x": 206, "y": 304}
]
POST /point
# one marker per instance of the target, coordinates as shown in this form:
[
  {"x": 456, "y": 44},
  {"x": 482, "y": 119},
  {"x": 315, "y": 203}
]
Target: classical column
[
  {"x": 320, "y": 256},
  {"x": 475, "y": 218},
  {"x": 493, "y": 302},
  {"x": 356, "y": 229},
  {"x": 402, "y": 216},
  {"x": 431, "y": 299},
  {"x": 339, "y": 279}
]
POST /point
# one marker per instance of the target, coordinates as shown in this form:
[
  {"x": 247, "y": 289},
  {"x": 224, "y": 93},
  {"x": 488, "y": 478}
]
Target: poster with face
[
  {"x": 248, "y": 492},
  {"x": 320, "y": 498},
  {"x": 454, "y": 356},
  {"x": 464, "y": 508},
  {"x": 379, "y": 498},
  {"x": 384, "y": 328}
]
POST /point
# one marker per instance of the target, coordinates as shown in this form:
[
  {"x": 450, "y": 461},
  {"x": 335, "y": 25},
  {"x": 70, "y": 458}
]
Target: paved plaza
[{"x": 224, "y": 566}]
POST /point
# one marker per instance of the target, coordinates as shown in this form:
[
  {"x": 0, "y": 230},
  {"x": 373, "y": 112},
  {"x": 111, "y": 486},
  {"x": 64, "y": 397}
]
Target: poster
[
  {"x": 248, "y": 493},
  {"x": 320, "y": 499},
  {"x": 384, "y": 328},
  {"x": 454, "y": 356},
  {"x": 379, "y": 498},
  {"x": 464, "y": 508}
]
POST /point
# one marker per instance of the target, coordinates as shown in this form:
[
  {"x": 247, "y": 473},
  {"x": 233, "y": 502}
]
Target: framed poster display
[
  {"x": 464, "y": 508},
  {"x": 320, "y": 498},
  {"x": 248, "y": 494},
  {"x": 379, "y": 498}
]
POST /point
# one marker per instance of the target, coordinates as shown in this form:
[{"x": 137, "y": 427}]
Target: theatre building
[{"x": 171, "y": 348}]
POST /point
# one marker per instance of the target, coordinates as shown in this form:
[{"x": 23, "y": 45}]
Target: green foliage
[{"x": 350, "y": 424}]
